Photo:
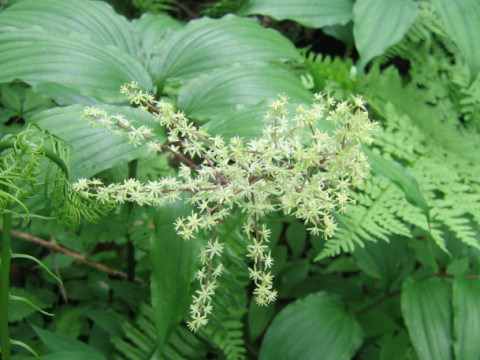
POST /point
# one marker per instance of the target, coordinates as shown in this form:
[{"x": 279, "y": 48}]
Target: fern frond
[
  {"x": 373, "y": 218},
  {"x": 139, "y": 341}
]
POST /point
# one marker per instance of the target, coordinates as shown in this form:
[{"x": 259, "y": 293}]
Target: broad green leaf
[
  {"x": 316, "y": 327},
  {"x": 208, "y": 96},
  {"x": 394, "y": 171},
  {"x": 72, "y": 60},
  {"x": 72, "y": 355},
  {"x": 173, "y": 261},
  {"x": 296, "y": 236},
  {"x": 94, "y": 19},
  {"x": 208, "y": 44},
  {"x": 154, "y": 29},
  {"x": 461, "y": 20},
  {"x": 426, "y": 308},
  {"x": 390, "y": 263},
  {"x": 108, "y": 321},
  {"x": 466, "y": 318},
  {"x": 94, "y": 149},
  {"x": 258, "y": 319},
  {"x": 310, "y": 13},
  {"x": 244, "y": 121},
  {"x": 379, "y": 24},
  {"x": 60, "y": 343},
  {"x": 376, "y": 322}
]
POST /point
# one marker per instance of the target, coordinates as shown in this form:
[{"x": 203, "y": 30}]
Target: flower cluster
[{"x": 303, "y": 165}]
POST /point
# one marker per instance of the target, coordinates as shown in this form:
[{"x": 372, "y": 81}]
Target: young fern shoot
[{"x": 295, "y": 167}]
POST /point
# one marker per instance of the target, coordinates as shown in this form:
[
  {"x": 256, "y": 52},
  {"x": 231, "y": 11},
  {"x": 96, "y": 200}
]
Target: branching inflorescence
[{"x": 295, "y": 167}]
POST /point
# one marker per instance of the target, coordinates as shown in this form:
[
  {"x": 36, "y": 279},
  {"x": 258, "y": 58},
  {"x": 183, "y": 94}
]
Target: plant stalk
[
  {"x": 5, "y": 285},
  {"x": 132, "y": 173}
]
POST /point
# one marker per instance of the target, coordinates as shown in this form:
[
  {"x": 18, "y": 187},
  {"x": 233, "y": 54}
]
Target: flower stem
[{"x": 5, "y": 285}]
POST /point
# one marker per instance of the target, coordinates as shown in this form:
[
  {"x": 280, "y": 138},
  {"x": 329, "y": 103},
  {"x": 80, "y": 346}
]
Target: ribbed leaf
[
  {"x": 60, "y": 343},
  {"x": 461, "y": 20},
  {"x": 390, "y": 263},
  {"x": 310, "y": 13},
  {"x": 244, "y": 121},
  {"x": 94, "y": 149},
  {"x": 207, "y": 44},
  {"x": 72, "y": 355},
  {"x": 426, "y": 308},
  {"x": 154, "y": 29},
  {"x": 316, "y": 327},
  {"x": 173, "y": 261},
  {"x": 94, "y": 19},
  {"x": 379, "y": 24},
  {"x": 223, "y": 90},
  {"x": 466, "y": 321},
  {"x": 71, "y": 60}
]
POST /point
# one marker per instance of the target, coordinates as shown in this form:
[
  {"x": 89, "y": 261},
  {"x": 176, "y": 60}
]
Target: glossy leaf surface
[
  {"x": 94, "y": 149},
  {"x": 94, "y": 19},
  {"x": 248, "y": 84},
  {"x": 426, "y": 308},
  {"x": 310, "y": 13},
  {"x": 315, "y": 327},
  {"x": 466, "y": 321},
  {"x": 71, "y": 60},
  {"x": 208, "y": 44},
  {"x": 379, "y": 24},
  {"x": 173, "y": 261},
  {"x": 461, "y": 20}
]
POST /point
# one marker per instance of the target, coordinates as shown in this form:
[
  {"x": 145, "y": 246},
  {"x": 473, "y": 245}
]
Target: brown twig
[{"x": 71, "y": 253}]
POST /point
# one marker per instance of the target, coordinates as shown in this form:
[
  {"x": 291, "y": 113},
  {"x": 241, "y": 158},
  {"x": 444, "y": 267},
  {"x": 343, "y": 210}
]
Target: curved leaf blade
[
  {"x": 61, "y": 343},
  {"x": 461, "y": 20},
  {"x": 466, "y": 320},
  {"x": 94, "y": 19},
  {"x": 208, "y": 44},
  {"x": 71, "y": 60},
  {"x": 94, "y": 149},
  {"x": 310, "y": 13},
  {"x": 173, "y": 261},
  {"x": 154, "y": 29},
  {"x": 315, "y": 327},
  {"x": 244, "y": 84},
  {"x": 379, "y": 24},
  {"x": 426, "y": 308}
]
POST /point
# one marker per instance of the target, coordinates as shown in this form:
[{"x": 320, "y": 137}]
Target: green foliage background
[{"x": 401, "y": 277}]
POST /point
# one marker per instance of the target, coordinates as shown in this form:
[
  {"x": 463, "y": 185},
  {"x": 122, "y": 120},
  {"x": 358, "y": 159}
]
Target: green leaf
[
  {"x": 426, "y": 308},
  {"x": 208, "y": 44},
  {"x": 108, "y": 321},
  {"x": 94, "y": 149},
  {"x": 310, "y": 13},
  {"x": 316, "y": 327},
  {"x": 243, "y": 84},
  {"x": 173, "y": 261},
  {"x": 379, "y": 24},
  {"x": 73, "y": 355},
  {"x": 258, "y": 319},
  {"x": 39, "y": 263},
  {"x": 395, "y": 172},
  {"x": 71, "y": 60},
  {"x": 245, "y": 121},
  {"x": 466, "y": 321},
  {"x": 154, "y": 29},
  {"x": 60, "y": 343},
  {"x": 94, "y": 19},
  {"x": 296, "y": 236},
  {"x": 390, "y": 262},
  {"x": 461, "y": 20}
]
